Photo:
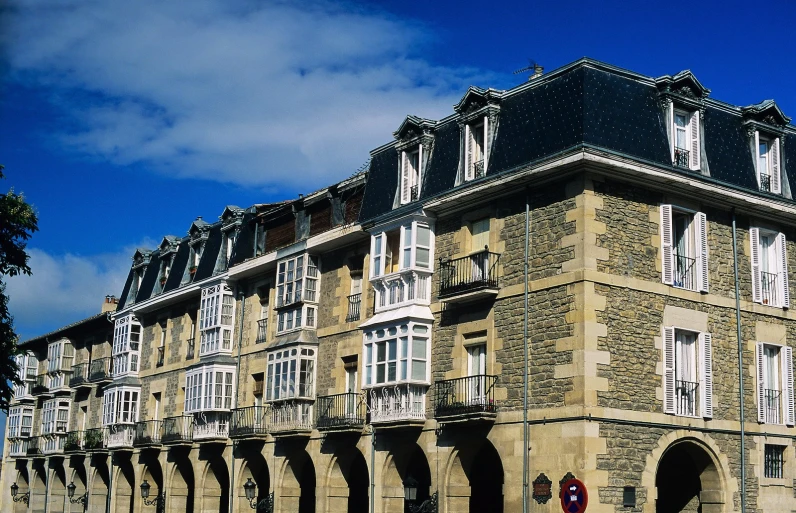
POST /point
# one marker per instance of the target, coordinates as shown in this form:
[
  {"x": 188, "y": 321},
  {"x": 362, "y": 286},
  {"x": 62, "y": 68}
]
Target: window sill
[{"x": 397, "y": 383}]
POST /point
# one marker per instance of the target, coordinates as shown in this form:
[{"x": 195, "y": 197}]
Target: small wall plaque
[{"x": 542, "y": 489}]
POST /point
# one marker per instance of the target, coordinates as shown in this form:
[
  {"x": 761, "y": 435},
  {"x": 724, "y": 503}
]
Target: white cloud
[
  {"x": 257, "y": 93},
  {"x": 64, "y": 289}
]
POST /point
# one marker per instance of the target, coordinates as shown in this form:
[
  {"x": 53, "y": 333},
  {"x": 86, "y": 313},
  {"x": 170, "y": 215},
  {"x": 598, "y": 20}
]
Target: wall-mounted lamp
[
  {"x": 410, "y": 496},
  {"x": 266, "y": 505},
  {"x": 159, "y": 501},
  {"x": 70, "y": 491},
  {"x": 25, "y": 497}
]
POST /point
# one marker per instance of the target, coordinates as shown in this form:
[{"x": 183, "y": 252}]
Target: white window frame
[
  {"x": 674, "y": 396},
  {"x": 297, "y": 292},
  {"x": 697, "y": 248},
  {"x": 782, "y": 382},
  {"x": 55, "y": 416},
  {"x": 216, "y": 319},
  {"x": 204, "y": 391},
  {"x": 407, "y": 339},
  {"x": 17, "y": 425},
  {"x": 120, "y": 405},
  {"x": 410, "y": 176},
  {"x": 692, "y": 136},
  {"x": 291, "y": 373},
  {"x": 776, "y": 260},
  {"x": 472, "y": 154},
  {"x": 772, "y": 159},
  {"x": 126, "y": 350}
]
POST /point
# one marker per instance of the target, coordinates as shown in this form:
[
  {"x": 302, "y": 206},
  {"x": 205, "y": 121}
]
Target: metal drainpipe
[
  {"x": 525, "y": 448},
  {"x": 372, "y": 469},
  {"x": 110, "y": 484},
  {"x": 232, "y": 489},
  {"x": 740, "y": 363}
]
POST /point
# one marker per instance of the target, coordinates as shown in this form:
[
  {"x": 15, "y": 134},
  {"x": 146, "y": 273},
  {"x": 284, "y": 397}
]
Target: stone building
[{"x": 625, "y": 239}]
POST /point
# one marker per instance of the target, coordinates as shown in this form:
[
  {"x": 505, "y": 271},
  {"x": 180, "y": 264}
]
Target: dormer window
[
  {"x": 226, "y": 248},
  {"x": 194, "y": 257},
  {"x": 165, "y": 270},
  {"x": 476, "y": 149},
  {"x": 685, "y": 140},
  {"x": 411, "y": 174},
  {"x": 768, "y": 169}
]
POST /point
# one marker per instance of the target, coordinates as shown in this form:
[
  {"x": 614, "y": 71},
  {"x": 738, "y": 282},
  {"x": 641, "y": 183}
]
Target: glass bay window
[
  {"x": 217, "y": 314},
  {"x": 126, "y": 345},
  {"x": 297, "y": 291},
  {"x": 55, "y": 416},
  {"x": 209, "y": 387},
  {"x": 291, "y": 374}
]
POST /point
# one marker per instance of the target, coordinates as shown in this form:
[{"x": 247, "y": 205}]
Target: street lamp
[
  {"x": 70, "y": 491},
  {"x": 410, "y": 496},
  {"x": 267, "y": 504},
  {"x": 25, "y": 497},
  {"x": 159, "y": 501}
]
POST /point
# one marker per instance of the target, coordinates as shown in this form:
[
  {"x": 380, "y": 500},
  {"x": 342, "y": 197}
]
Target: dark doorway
[
  {"x": 419, "y": 470},
  {"x": 307, "y": 484},
  {"x": 358, "y": 483},
  {"x": 687, "y": 481},
  {"x": 486, "y": 481}
]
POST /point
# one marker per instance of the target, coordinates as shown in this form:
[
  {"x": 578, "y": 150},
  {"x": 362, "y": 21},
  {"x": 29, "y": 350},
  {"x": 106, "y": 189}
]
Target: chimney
[
  {"x": 109, "y": 305},
  {"x": 537, "y": 71}
]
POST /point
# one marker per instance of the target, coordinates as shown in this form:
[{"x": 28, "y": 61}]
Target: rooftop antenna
[{"x": 532, "y": 66}]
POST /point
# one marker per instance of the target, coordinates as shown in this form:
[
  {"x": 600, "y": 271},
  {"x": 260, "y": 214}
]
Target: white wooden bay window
[
  {"x": 769, "y": 268},
  {"x": 774, "y": 384},
  {"x": 297, "y": 289},
  {"x": 209, "y": 392},
  {"x": 27, "y": 368},
  {"x": 684, "y": 248},
  {"x": 126, "y": 346},
  {"x": 217, "y": 315},
  {"x": 291, "y": 374},
  {"x": 687, "y": 373},
  {"x": 60, "y": 356},
  {"x": 55, "y": 416},
  {"x": 767, "y": 163},
  {"x": 20, "y": 422},
  {"x": 476, "y": 149},
  {"x": 119, "y": 415}
]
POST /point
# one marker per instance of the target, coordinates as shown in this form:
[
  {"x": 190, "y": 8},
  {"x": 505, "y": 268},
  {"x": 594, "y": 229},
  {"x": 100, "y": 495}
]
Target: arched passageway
[
  {"x": 38, "y": 490},
  {"x": 475, "y": 479},
  {"x": 124, "y": 484},
  {"x": 297, "y": 491},
  {"x": 215, "y": 485},
  {"x": 254, "y": 468},
  {"x": 23, "y": 481},
  {"x": 405, "y": 461},
  {"x": 98, "y": 483},
  {"x": 57, "y": 491},
  {"x": 688, "y": 480},
  {"x": 153, "y": 475},
  {"x": 180, "y": 485},
  {"x": 348, "y": 486},
  {"x": 78, "y": 477}
]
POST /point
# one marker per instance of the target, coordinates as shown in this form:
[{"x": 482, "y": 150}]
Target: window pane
[
  {"x": 419, "y": 348},
  {"x": 418, "y": 370},
  {"x": 380, "y": 373},
  {"x": 381, "y": 351}
]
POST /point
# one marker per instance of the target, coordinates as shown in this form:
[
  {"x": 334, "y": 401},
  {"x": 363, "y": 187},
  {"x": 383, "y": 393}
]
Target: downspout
[
  {"x": 232, "y": 488},
  {"x": 525, "y": 448},
  {"x": 740, "y": 362},
  {"x": 372, "y": 469},
  {"x": 110, "y": 485}
]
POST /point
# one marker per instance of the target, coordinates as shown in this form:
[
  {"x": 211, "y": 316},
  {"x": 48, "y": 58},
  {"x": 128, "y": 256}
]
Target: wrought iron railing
[
  {"x": 211, "y": 425},
  {"x": 354, "y": 307},
  {"x": 682, "y": 158},
  {"x": 42, "y": 385},
  {"x": 340, "y": 411},
  {"x": 262, "y": 331},
  {"x": 395, "y": 403},
  {"x": 74, "y": 441},
  {"x": 478, "y": 169},
  {"x": 79, "y": 374},
  {"x": 161, "y": 356},
  {"x": 101, "y": 369},
  {"x": 769, "y": 289},
  {"x": 686, "y": 400},
  {"x": 52, "y": 443},
  {"x": 119, "y": 435},
  {"x": 414, "y": 193},
  {"x": 463, "y": 396},
  {"x": 774, "y": 461},
  {"x": 249, "y": 421},
  {"x": 291, "y": 415},
  {"x": 191, "y": 351},
  {"x": 33, "y": 446},
  {"x": 685, "y": 272},
  {"x": 93, "y": 439},
  {"x": 148, "y": 432},
  {"x": 772, "y": 406},
  {"x": 473, "y": 272},
  {"x": 765, "y": 182},
  {"x": 177, "y": 429},
  {"x": 18, "y": 447}
]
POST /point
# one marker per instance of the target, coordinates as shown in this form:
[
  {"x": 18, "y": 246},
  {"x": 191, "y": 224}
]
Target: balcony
[
  {"x": 772, "y": 406},
  {"x": 769, "y": 288},
  {"x": 93, "y": 439},
  {"x": 161, "y": 356},
  {"x": 178, "y": 430},
  {"x": 686, "y": 398},
  {"x": 52, "y": 443},
  {"x": 354, "y": 308},
  {"x": 148, "y": 432},
  {"x": 478, "y": 169},
  {"x": 33, "y": 446},
  {"x": 262, "y": 331},
  {"x": 765, "y": 182},
  {"x": 18, "y": 448},
  {"x": 100, "y": 370},
  {"x": 291, "y": 417},
  {"x": 398, "y": 405},
  {"x": 249, "y": 422},
  {"x": 119, "y": 436},
  {"x": 23, "y": 392},
  {"x": 469, "y": 278},
  {"x": 42, "y": 385},
  {"x": 79, "y": 377},
  {"x": 685, "y": 272},
  {"x": 465, "y": 399},
  {"x": 211, "y": 425},
  {"x": 74, "y": 441},
  {"x": 682, "y": 158},
  {"x": 191, "y": 352},
  {"x": 341, "y": 412},
  {"x": 414, "y": 193}
]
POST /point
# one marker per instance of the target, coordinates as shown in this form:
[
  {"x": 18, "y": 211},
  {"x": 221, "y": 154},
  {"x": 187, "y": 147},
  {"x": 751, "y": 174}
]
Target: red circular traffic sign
[{"x": 574, "y": 497}]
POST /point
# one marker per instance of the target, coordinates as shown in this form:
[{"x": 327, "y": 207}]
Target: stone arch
[
  {"x": 297, "y": 484},
  {"x": 123, "y": 484},
  {"x": 180, "y": 482},
  {"x": 152, "y": 473},
  {"x": 699, "y": 454},
  {"x": 215, "y": 483},
  {"x": 402, "y": 462},
  {"x": 474, "y": 478},
  {"x": 57, "y": 489},
  {"x": 38, "y": 489},
  {"x": 23, "y": 481},
  {"x": 253, "y": 467},
  {"x": 78, "y": 476},
  {"x": 98, "y": 484},
  {"x": 348, "y": 482}
]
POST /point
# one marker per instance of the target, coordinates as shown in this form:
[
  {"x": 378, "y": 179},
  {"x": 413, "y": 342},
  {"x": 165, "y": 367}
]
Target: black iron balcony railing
[
  {"x": 190, "y": 352},
  {"x": 465, "y": 396},
  {"x": 79, "y": 374},
  {"x": 33, "y": 446},
  {"x": 42, "y": 385},
  {"x": 685, "y": 272},
  {"x": 774, "y": 461},
  {"x": 249, "y": 421},
  {"x": 148, "y": 432},
  {"x": 262, "y": 331},
  {"x": 478, "y": 169},
  {"x": 290, "y": 415},
  {"x": 768, "y": 288},
  {"x": 686, "y": 399},
  {"x": 772, "y": 406},
  {"x": 101, "y": 369},
  {"x": 93, "y": 439},
  {"x": 466, "y": 274},
  {"x": 765, "y": 182},
  {"x": 161, "y": 356},
  {"x": 340, "y": 411},
  {"x": 682, "y": 158},
  {"x": 74, "y": 441},
  {"x": 177, "y": 429},
  {"x": 354, "y": 308},
  {"x": 414, "y": 193}
]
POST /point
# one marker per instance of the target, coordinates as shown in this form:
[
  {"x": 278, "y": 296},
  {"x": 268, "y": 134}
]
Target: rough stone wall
[
  {"x": 327, "y": 361},
  {"x": 174, "y": 351},
  {"x": 143, "y": 399},
  {"x": 95, "y": 399},
  {"x": 331, "y": 295},
  {"x": 171, "y": 402},
  {"x": 150, "y": 334}
]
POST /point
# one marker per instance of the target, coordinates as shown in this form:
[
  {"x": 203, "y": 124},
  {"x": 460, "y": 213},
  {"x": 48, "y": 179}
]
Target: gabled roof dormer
[
  {"x": 682, "y": 99},
  {"x": 199, "y": 232},
  {"x": 141, "y": 260},
  {"x": 766, "y": 112},
  {"x": 476, "y": 99},
  {"x": 167, "y": 249},
  {"x": 478, "y": 118},
  {"x": 231, "y": 223},
  {"x": 765, "y": 127},
  {"x": 169, "y": 244},
  {"x": 415, "y": 143}
]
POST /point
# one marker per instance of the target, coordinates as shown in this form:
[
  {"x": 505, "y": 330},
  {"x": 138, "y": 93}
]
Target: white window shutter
[
  {"x": 672, "y": 134},
  {"x": 782, "y": 255},
  {"x": 668, "y": 370},
  {"x": 667, "y": 247},
  {"x": 404, "y": 179},
  {"x": 694, "y": 129},
  {"x": 468, "y": 153},
  {"x": 775, "y": 175},
  {"x": 486, "y": 142},
  {"x": 754, "y": 242},
  {"x": 761, "y": 382},
  {"x": 420, "y": 169},
  {"x": 706, "y": 375},
  {"x": 756, "y": 156},
  {"x": 702, "y": 255},
  {"x": 787, "y": 385}
]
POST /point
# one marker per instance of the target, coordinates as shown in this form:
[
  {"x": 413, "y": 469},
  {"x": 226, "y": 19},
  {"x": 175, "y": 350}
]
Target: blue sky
[{"x": 123, "y": 121}]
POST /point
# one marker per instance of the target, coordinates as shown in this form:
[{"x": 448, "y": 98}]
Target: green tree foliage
[{"x": 18, "y": 221}]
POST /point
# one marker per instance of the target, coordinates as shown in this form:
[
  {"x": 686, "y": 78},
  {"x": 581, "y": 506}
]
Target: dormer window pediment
[
  {"x": 683, "y": 87},
  {"x": 232, "y": 216},
  {"x": 766, "y": 112},
  {"x": 169, "y": 244},
  {"x": 476, "y": 99}
]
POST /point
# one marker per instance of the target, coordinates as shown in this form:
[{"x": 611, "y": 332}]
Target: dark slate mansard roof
[{"x": 586, "y": 104}]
